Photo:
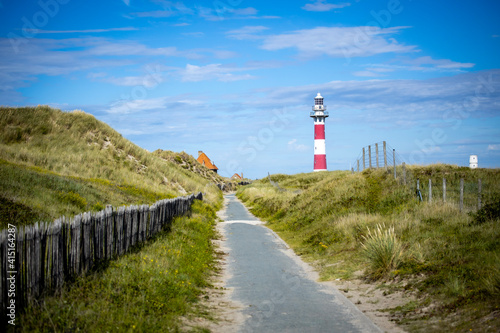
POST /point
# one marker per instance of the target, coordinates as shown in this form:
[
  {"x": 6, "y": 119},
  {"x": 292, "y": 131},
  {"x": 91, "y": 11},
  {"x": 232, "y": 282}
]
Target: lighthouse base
[{"x": 320, "y": 162}]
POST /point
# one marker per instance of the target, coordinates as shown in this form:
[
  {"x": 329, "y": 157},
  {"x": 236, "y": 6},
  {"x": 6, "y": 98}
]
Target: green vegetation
[
  {"x": 55, "y": 163},
  {"x": 368, "y": 222},
  {"x": 148, "y": 290},
  {"x": 382, "y": 250}
]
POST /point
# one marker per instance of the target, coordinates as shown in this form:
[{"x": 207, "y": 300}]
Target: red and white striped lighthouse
[{"x": 319, "y": 114}]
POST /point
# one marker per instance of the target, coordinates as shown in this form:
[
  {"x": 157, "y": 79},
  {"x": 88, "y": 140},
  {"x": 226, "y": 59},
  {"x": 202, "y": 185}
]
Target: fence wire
[
  {"x": 461, "y": 186},
  {"x": 466, "y": 189}
]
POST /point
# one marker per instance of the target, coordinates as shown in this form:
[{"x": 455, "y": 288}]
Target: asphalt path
[{"x": 278, "y": 292}]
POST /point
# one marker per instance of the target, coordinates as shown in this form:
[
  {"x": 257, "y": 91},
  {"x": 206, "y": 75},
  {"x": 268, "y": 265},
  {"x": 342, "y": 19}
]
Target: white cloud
[
  {"x": 323, "y": 6},
  {"x": 193, "y": 73},
  {"x": 219, "y": 11},
  {"x": 446, "y": 99},
  {"x": 197, "y": 34},
  {"x": 439, "y": 63},
  {"x": 366, "y": 74},
  {"x": 421, "y": 64},
  {"x": 245, "y": 11},
  {"x": 293, "y": 145},
  {"x": 380, "y": 69},
  {"x": 432, "y": 149},
  {"x": 494, "y": 147},
  {"x": 137, "y": 105},
  {"x": 22, "y": 63},
  {"x": 169, "y": 9},
  {"x": 146, "y": 81},
  {"x": 247, "y": 32},
  {"x": 155, "y": 13},
  {"x": 39, "y": 31},
  {"x": 223, "y": 12},
  {"x": 339, "y": 41}
]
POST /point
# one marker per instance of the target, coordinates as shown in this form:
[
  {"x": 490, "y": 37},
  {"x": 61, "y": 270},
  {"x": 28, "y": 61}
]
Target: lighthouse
[{"x": 319, "y": 115}]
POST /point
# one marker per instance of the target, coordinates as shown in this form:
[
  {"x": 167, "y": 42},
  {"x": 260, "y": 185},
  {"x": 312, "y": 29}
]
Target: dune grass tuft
[{"x": 382, "y": 249}]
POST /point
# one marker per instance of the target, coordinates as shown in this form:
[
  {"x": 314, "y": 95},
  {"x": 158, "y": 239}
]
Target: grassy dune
[
  {"x": 57, "y": 163},
  {"x": 367, "y": 222}
]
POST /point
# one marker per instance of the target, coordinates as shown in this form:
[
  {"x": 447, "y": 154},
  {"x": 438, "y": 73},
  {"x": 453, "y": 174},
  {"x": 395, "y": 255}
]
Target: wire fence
[
  {"x": 466, "y": 188},
  {"x": 377, "y": 155}
]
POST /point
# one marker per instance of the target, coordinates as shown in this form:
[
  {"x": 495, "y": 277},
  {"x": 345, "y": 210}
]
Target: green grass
[
  {"x": 148, "y": 290},
  {"x": 31, "y": 194},
  {"x": 345, "y": 223},
  {"x": 382, "y": 249}
]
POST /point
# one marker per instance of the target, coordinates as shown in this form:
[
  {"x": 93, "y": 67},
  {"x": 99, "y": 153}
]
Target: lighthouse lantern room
[{"x": 319, "y": 115}]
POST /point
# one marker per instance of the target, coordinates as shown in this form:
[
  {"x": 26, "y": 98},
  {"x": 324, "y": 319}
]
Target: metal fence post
[{"x": 394, "y": 161}]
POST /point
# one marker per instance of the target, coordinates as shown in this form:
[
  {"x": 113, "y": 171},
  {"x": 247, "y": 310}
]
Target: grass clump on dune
[{"x": 382, "y": 249}]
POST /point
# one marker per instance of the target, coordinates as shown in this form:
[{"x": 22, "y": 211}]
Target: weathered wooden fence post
[
  {"x": 364, "y": 159},
  {"x": 444, "y": 189},
  {"x": 394, "y": 162},
  {"x": 370, "y": 156},
  {"x": 404, "y": 173},
  {"x": 22, "y": 270},
  {"x": 3, "y": 269},
  {"x": 430, "y": 190},
  {"x": 479, "y": 188},
  {"x": 461, "y": 194},
  {"x": 376, "y": 153},
  {"x": 358, "y": 165},
  {"x": 87, "y": 246},
  {"x": 385, "y": 155}
]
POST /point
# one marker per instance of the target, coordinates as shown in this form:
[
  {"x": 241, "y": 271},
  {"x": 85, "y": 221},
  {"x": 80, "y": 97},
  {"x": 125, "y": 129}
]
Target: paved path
[{"x": 278, "y": 291}]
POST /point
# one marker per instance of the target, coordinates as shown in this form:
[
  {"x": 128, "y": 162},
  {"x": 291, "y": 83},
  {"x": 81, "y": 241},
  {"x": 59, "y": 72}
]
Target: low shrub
[
  {"x": 72, "y": 198},
  {"x": 489, "y": 212}
]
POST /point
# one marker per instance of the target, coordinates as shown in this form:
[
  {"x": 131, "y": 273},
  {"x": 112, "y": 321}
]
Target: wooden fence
[
  {"x": 48, "y": 254},
  {"x": 376, "y": 156}
]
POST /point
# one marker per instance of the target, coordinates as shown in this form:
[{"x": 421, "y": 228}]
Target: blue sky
[{"x": 237, "y": 78}]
